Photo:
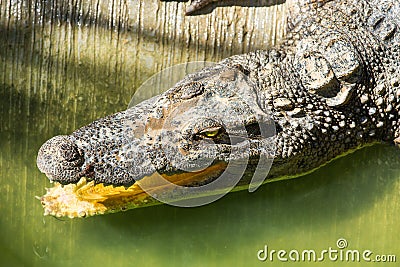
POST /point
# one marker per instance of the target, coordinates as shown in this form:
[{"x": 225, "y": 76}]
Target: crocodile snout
[{"x": 61, "y": 160}]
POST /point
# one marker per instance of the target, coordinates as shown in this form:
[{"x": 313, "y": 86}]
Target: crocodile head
[
  {"x": 188, "y": 135},
  {"x": 219, "y": 122}
]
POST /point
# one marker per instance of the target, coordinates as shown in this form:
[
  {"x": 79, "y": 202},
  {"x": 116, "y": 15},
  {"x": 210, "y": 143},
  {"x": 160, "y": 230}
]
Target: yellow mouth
[{"x": 87, "y": 198}]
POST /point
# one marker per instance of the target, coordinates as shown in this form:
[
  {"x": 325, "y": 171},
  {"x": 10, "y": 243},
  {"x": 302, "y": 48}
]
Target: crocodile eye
[{"x": 211, "y": 132}]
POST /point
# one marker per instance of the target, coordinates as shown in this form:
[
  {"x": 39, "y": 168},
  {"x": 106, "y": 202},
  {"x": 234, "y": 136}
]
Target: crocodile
[{"x": 330, "y": 87}]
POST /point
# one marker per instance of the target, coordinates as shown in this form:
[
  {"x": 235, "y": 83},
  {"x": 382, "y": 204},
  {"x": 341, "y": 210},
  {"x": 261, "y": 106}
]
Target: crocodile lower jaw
[{"x": 86, "y": 198}]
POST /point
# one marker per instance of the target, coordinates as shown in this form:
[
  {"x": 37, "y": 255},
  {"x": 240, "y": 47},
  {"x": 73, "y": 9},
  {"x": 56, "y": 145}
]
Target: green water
[{"x": 55, "y": 78}]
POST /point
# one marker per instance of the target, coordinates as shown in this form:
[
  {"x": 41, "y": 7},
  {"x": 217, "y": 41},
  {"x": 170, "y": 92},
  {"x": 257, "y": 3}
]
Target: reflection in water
[{"x": 48, "y": 89}]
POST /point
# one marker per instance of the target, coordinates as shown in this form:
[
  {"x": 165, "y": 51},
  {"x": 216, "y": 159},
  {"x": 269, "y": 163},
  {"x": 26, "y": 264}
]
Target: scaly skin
[{"x": 331, "y": 87}]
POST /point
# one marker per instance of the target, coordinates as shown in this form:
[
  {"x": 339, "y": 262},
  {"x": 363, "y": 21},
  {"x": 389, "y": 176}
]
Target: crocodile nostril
[{"x": 69, "y": 152}]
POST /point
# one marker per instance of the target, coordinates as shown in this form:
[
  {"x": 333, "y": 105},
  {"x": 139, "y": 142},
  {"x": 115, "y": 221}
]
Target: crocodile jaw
[{"x": 86, "y": 198}]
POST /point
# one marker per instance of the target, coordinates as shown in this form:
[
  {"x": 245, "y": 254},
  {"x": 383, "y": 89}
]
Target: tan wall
[{"x": 54, "y": 47}]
